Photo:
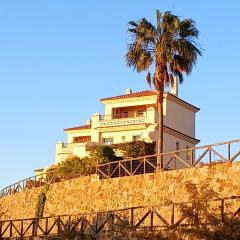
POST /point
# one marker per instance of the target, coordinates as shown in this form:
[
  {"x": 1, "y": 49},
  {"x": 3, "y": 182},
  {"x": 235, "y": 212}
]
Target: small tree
[
  {"x": 135, "y": 149},
  {"x": 73, "y": 167},
  {"x": 102, "y": 154}
]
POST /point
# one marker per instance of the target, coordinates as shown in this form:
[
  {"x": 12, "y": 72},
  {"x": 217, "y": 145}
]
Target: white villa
[{"x": 133, "y": 116}]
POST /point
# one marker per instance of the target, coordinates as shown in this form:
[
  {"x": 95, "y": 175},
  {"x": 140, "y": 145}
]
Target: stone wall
[
  {"x": 20, "y": 205},
  {"x": 89, "y": 194}
]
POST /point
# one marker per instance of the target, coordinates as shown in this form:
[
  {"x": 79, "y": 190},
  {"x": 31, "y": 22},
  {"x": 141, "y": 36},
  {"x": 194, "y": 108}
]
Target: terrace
[{"x": 124, "y": 116}]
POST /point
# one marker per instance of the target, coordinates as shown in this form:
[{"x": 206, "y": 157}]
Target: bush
[
  {"x": 135, "y": 149},
  {"x": 73, "y": 167},
  {"x": 102, "y": 154}
]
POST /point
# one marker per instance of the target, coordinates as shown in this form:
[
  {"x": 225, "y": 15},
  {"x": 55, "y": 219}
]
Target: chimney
[
  {"x": 174, "y": 88},
  {"x": 88, "y": 122},
  {"x": 128, "y": 91}
]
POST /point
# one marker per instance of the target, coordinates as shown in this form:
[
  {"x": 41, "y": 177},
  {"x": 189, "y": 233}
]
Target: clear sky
[{"x": 58, "y": 58}]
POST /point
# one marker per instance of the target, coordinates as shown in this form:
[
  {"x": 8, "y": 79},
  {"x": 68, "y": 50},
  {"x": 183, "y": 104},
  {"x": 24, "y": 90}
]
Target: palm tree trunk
[{"x": 160, "y": 132}]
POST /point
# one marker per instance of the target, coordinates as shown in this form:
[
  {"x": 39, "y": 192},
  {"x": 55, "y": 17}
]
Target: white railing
[
  {"x": 72, "y": 145},
  {"x": 122, "y": 121}
]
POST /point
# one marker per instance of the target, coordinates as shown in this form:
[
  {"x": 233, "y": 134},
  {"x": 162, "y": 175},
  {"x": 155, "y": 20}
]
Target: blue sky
[{"x": 58, "y": 58}]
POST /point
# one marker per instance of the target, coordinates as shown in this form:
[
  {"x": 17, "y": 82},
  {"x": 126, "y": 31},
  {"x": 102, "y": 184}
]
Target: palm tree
[{"x": 171, "y": 47}]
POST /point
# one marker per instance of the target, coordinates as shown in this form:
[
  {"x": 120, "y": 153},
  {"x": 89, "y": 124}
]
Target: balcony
[
  {"x": 120, "y": 120},
  {"x": 72, "y": 145}
]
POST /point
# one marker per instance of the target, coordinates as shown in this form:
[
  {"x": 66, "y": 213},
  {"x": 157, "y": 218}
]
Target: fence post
[
  {"x": 46, "y": 226},
  {"x": 131, "y": 166},
  {"x": 144, "y": 165},
  {"x": 10, "y": 233},
  {"x": 151, "y": 221},
  {"x": 229, "y": 151},
  {"x": 210, "y": 155},
  {"x": 175, "y": 162},
  {"x": 159, "y": 162},
  {"x": 132, "y": 218},
  {"x": 35, "y": 227},
  {"x": 192, "y": 158},
  {"x": 222, "y": 210},
  {"x": 173, "y": 213},
  {"x": 96, "y": 224},
  {"x": 119, "y": 169},
  {"x": 1, "y": 230},
  {"x": 21, "y": 231},
  {"x": 58, "y": 225}
]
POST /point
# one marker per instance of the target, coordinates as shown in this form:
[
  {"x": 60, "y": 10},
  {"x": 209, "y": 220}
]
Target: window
[
  {"x": 123, "y": 138},
  {"x": 136, "y": 137},
  {"x": 115, "y": 113},
  {"x": 140, "y": 113},
  {"x": 125, "y": 114},
  {"x": 107, "y": 141}
]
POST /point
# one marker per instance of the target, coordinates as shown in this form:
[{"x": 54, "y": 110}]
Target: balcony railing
[
  {"x": 72, "y": 145},
  {"x": 108, "y": 120}
]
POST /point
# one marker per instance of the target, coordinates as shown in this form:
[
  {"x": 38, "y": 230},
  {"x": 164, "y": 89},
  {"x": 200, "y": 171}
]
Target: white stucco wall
[
  {"x": 180, "y": 118},
  {"x": 150, "y": 100},
  {"x": 117, "y": 136}
]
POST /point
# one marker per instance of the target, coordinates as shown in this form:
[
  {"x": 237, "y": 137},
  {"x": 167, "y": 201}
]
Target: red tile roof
[
  {"x": 132, "y": 95},
  {"x": 78, "y": 128},
  {"x": 152, "y": 93}
]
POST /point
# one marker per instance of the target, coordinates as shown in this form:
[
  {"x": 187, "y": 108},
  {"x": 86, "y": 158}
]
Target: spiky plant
[{"x": 170, "y": 47}]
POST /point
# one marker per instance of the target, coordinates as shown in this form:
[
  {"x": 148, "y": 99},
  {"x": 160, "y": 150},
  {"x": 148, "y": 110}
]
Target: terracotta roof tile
[
  {"x": 78, "y": 128},
  {"x": 132, "y": 95}
]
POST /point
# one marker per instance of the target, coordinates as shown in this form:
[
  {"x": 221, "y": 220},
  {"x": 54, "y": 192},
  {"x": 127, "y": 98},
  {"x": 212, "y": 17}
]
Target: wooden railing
[
  {"x": 186, "y": 158},
  {"x": 28, "y": 183},
  {"x": 157, "y": 218}
]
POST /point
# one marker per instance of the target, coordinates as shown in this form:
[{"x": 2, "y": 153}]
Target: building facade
[{"x": 130, "y": 117}]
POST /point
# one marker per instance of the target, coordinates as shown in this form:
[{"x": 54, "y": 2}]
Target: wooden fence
[
  {"x": 158, "y": 218},
  {"x": 186, "y": 158}
]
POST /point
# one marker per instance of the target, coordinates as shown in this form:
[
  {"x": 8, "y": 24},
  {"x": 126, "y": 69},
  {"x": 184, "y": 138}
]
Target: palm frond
[
  {"x": 133, "y": 23},
  {"x": 188, "y": 29},
  {"x": 148, "y": 79},
  {"x": 170, "y": 45},
  {"x": 158, "y": 20}
]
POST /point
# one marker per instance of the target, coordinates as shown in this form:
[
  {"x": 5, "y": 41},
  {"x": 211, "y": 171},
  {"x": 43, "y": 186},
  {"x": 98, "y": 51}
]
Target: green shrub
[
  {"x": 41, "y": 202},
  {"x": 135, "y": 149},
  {"x": 102, "y": 154},
  {"x": 73, "y": 167}
]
